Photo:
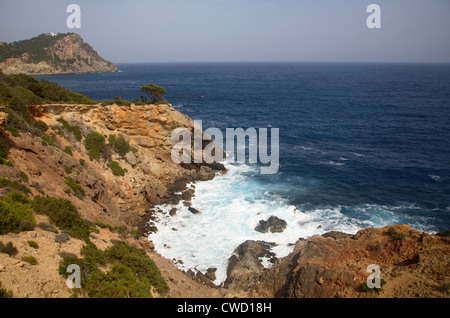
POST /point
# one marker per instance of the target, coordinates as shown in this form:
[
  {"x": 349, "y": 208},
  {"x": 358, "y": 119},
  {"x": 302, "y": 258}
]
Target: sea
[{"x": 360, "y": 145}]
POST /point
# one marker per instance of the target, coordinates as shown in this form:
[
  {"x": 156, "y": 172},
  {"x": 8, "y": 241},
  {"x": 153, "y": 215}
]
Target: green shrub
[
  {"x": 120, "y": 102},
  {"x": 4, "y": 149},
  {"x": 96, "y": 146},
  {"x": 91, "y": 251},
  {"x": 8, "y": 249},
  {"x": 47, "y": 140},
  {"x": 131, "y": 275},
  {"x": 119, "y": 144},
  {"x": 77, "y": 189},
  {"x": 116, "y": 169},
  {"x": 30, "y": 259},
  {"x": 63, "y": 214},
  {"x": 33, "y": 244},
  {"x": 39, "y": 124},
  {"x": 15, "y": 208},
  {"x": 139, "y": 262},
  {"x": 88, "y": 268},
  {"x": 95, "y": 229},
  {"x": 13, "y": 185},
  {"x": 24, "y": 176},
  {"x": 107, "y": 102},
  {"x": 104, "y": 226},
  {"x": 120, "y": 229},
  {"x": 119, "y": 282},
  {"x": 68, "y": 170},
  {"x": 68, "y": 150},
  {"x": 13, "y": 131},
  {"x": 73, "y": 129}
]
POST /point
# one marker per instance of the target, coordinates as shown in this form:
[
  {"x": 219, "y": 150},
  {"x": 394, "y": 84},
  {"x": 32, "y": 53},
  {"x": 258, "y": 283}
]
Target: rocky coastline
[{"x": 413, "y": 263}]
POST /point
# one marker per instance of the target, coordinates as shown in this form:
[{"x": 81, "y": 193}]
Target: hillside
[
  {"x": 80, "y": 184},
  {"x": 61, "y": 53},
  {"x": 79, "y": 181}
]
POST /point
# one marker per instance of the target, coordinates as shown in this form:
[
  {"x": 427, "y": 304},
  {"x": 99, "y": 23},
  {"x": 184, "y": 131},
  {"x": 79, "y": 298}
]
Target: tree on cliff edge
[{"x": 156, "y": 93}]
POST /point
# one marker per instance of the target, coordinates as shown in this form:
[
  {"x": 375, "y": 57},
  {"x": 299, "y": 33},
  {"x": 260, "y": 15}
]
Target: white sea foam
[
  {"x": 334, "y": 163},
  {"x": 231, "y": 206}
]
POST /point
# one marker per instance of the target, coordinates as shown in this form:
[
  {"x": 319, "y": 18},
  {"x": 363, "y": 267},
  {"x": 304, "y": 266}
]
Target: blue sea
[{"x": 361, "y": 145}]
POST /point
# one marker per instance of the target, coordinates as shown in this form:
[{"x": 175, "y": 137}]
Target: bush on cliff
[
  {"x": 119, "y": 144},
  {"x": 76, "y": 188},
  {"x": 63, "y": 214},
  {"x": 19, "y": 91},
  {"x": 131, "y": 275},
  {"x": 13, "y": 185},
  {"x": 96, "y": 146},
  {"x": 139, "y": 262},
  {"x": 116, "y": 169},
  {"x": 16, "y": 213},
  {"x": 73, "y": 129}
]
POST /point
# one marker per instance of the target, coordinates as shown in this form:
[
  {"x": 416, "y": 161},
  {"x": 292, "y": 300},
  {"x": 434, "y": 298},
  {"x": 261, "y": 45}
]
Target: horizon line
[{"x": 286, "y": 62}]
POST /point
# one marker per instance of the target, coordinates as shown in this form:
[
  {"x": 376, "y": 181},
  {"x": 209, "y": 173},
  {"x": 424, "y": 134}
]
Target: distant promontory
[{"x": 52, "y": 53}]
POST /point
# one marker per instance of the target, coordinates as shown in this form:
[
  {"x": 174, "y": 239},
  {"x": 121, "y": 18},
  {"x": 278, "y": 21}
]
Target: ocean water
[{"x": 361, "y": 145}]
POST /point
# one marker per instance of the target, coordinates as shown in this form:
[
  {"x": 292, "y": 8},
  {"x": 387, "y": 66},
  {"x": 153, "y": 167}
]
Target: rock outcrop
[
  {"x": 151, "y": 176},
  {"x": 273, "y": 224},
  {"x": 52, "y": 54},
  {"x": 412, "y": 264}
]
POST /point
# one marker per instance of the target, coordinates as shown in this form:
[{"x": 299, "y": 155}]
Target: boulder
[
  {"x": 193, "y": 210},
  {"x": 131, "y": 158},
  {"x": 273, "y": 224}
]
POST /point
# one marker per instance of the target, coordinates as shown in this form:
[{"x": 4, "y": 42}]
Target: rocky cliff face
[
  {"x": 151, "y": 176},
  {"x": 412, "y": 264},
  {"x": 47, "y": 54}
]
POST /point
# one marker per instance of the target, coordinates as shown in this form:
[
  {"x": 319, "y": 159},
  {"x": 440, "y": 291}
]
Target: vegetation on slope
[{"x": 35, "y": 47}]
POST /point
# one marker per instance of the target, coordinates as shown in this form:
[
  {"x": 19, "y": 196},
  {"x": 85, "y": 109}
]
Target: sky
[{"x": 242, "y": 30}]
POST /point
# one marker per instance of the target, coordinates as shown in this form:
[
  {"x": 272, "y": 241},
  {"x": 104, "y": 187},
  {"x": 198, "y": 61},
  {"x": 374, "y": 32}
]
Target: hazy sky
[{"x": 242, "y": 30}]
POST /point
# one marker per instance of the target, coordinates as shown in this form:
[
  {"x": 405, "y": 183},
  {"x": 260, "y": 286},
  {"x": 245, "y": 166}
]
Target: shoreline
[
  {"x": 203, "y": 270},
  {"x": 152, "y": 180}
]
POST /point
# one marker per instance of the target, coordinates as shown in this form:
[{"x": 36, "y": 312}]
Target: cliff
[
  {"x": 119, "y": 204},
  {"x": 60, "y": 163},
  {"x": 52, "y": 54},
  {"x": 151, "y": 177}
]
